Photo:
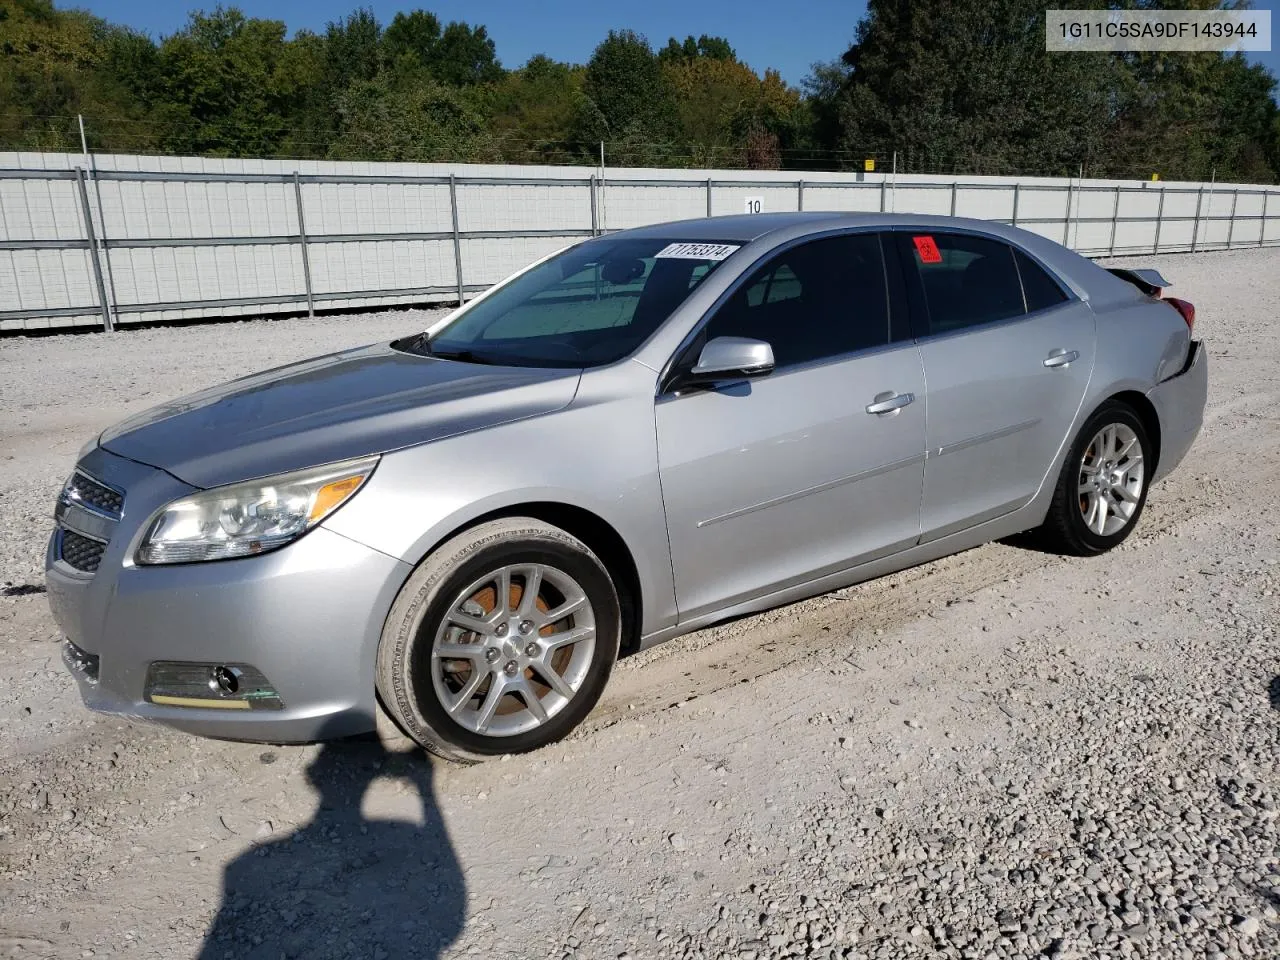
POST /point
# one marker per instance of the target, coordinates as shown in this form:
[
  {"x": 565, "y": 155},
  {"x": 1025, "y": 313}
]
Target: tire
[
  {"x": 457, "y": 669},
  {"x": 1075, "y": 523}
]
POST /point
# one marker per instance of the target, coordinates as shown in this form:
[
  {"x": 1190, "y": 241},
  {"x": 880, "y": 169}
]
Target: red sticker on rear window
[{"x": 927, "y": 249}]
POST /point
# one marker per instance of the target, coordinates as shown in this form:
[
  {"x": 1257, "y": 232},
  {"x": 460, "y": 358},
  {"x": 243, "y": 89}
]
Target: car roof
[
  {"x": 743, "y": 227},
  {"x": 747, "y": 227},
  {"x": 1083, "y": 276}
]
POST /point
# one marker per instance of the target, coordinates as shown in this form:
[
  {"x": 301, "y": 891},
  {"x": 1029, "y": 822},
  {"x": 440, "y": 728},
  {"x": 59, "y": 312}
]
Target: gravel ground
[{"x": 1001, "y": 754}]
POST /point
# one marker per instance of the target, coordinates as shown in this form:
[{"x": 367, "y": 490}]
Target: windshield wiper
[
  {"x": 420, "y": 344},
  {"x": 463, "y": 356},
  {"x": 411, "y": 344}
]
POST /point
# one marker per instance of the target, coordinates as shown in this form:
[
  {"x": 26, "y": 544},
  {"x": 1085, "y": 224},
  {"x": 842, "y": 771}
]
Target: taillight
[{"x": 1184, "y": 307}]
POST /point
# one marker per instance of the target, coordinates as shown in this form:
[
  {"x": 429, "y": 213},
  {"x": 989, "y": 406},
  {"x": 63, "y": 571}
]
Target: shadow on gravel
[
  {"x": 343, "y": 885},
  {"x": 1031, "y": 541},
  {"x": 1273, "y": 693}
]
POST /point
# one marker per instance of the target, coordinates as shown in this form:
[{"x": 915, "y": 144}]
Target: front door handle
[
  {"x": 1061, "y": 358},
  {"x": 889, "y": 402}
]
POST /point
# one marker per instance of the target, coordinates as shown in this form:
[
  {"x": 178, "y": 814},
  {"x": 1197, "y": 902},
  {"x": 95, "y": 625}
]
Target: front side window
[
  {"x": 591, "y": 305},
  {"x": 967, "y": 280},
  {"x": 817, "y": 300}
]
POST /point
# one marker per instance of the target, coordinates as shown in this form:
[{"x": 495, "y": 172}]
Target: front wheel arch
[
  {"x": 412, "y": 706},
  {"x": 593, "y": 530}
]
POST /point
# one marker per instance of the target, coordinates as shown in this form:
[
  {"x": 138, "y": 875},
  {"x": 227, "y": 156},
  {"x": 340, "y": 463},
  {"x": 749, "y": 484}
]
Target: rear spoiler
[{"x": 1147, "y": 280}]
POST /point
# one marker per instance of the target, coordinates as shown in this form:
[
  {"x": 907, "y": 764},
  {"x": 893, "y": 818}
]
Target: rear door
[
  {"x": 1007, "y": 355},
  {"x": 777, "y": 480}
]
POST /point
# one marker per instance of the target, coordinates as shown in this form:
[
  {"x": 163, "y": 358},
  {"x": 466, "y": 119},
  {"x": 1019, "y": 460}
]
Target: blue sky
[{"x": 765, "y": 33}]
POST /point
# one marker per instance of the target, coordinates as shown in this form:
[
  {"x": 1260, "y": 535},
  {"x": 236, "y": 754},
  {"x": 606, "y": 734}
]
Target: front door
[{"x": 778, "y": 480}]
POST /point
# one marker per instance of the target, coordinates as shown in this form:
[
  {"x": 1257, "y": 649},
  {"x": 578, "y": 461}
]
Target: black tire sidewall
[
  {"x": 1105, "y": 415},
  {"x": 411, "y": 659}
]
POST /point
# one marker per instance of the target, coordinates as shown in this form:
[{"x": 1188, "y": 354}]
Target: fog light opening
[
  {"x": 218, "y": 686},
  {"x": 225, "y": 681}
]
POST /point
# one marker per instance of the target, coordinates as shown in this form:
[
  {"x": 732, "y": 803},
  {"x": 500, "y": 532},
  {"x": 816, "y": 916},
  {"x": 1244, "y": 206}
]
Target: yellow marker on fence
[
  {"x": 1155, "y": 176},
  {"x": 869, "y": 166}
]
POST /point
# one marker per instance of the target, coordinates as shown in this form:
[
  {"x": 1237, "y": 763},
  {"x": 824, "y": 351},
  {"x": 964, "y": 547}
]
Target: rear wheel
[
  {"x": 1103, "y": 486},
  {"x": 500, "y": 642}
]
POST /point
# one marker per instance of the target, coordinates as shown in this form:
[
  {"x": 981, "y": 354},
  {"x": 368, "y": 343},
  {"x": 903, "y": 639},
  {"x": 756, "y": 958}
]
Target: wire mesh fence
[{"x": 106, "y": 240}]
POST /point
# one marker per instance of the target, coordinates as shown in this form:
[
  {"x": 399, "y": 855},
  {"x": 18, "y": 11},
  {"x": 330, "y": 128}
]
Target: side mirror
[{"x": 730, "y": 358}]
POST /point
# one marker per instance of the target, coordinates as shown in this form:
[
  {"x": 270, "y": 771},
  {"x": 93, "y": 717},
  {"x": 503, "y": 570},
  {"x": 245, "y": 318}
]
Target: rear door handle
[
  {"x": 889, "y": 402},
  {"x": 1061, "y": 358}
]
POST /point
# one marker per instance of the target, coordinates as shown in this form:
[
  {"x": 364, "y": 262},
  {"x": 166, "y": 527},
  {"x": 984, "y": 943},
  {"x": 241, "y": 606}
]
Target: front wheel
[
  {"x": 500, "y": 642},
  {"x": 1103, "y": 486}
]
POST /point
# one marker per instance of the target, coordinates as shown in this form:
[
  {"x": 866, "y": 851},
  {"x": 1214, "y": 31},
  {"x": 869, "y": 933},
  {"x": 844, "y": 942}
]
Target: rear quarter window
[{"x": 1040, "y": 289}]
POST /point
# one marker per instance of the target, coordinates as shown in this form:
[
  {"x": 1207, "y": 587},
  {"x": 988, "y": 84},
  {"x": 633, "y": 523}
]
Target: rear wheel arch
[
  {"x": 1090, "y": 477},
  {"x": 1146, "y": 412},
  {"x": 1134, "y": 400}
]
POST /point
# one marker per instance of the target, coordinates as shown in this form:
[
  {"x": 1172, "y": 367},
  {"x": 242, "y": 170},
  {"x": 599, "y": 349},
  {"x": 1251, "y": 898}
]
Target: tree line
[{"x": 944, "y": 85}]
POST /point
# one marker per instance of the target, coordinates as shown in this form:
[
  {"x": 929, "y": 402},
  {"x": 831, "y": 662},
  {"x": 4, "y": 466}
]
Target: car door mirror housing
[{"x": 730, "y": 358}]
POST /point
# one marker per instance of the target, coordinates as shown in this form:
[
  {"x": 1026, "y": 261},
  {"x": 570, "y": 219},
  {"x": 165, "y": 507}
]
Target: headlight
[{"x": 243, "y": 519}]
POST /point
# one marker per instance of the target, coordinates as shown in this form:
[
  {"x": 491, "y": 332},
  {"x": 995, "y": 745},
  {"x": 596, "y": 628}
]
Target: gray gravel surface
[{"x": 1001, "y": 754}]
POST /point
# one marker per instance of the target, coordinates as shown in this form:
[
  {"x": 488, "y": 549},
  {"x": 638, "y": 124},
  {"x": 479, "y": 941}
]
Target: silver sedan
[{"x": 455, "y": 535}]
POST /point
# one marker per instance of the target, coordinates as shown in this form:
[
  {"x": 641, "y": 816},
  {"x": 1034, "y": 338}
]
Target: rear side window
[
  {"x": 817, "y": 300},
  {"x": 1040, "y": 289},
  {"x": 967, "y": 280}
]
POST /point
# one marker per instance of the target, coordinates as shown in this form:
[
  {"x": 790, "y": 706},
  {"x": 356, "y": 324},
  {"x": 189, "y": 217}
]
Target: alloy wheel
[
  {"x": 513, "y": 649},
  {"x": 1112, "y": 473}
]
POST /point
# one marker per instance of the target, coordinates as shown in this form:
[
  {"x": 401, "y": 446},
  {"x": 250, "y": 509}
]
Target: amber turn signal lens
[{"x": 331, "y": 494}]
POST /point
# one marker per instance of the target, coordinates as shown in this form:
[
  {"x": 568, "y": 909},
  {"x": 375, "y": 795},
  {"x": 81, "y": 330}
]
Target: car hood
[{"x": 349, "y": 404}]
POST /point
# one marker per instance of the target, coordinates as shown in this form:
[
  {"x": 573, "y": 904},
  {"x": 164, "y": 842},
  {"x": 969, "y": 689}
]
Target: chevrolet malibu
[{"x": 456, "y": 534}]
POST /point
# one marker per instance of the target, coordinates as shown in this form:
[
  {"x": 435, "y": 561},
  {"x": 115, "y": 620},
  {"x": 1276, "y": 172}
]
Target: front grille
[
  {"x": 97, "y": 495},
  {"x": 80, "y": 552},
  {"x": 87, "y": 514}
]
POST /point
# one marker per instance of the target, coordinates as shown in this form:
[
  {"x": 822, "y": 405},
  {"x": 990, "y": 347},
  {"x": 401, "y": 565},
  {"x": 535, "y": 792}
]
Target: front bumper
[
  {"x": 307, "y": 616},
  {"x": 1179, "y": 403}
]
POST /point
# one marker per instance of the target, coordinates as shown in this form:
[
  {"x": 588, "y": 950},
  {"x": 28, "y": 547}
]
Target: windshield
[{"x": 591, "y": 305}]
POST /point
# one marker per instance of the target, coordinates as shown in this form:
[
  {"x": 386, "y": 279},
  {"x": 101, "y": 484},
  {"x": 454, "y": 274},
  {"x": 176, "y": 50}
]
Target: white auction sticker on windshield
[{"x": 696, "y": 251}]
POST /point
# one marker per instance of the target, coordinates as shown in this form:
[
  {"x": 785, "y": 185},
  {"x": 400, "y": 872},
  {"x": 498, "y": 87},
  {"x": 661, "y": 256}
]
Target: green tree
[
  {"x": 820, "y": 129},
  {"x": 968, "y": 85},
  {"x": 465, "y": 55},
  {"x": 712, "y": 48},
  {"x": 1186, "y": 115},
  {"x": 949, "y": 84},
  {"x": 353, "y": 49},
  {"x": 220, "y": 90},
  {"x": 410, "y": 40},
  {"x": 1272, "y": 146},
  {"x": 460, "y": 54},
  {"x": 532, "y": 111},
  {"x": 55, "y": 64},
  {"x": 628, "y": 101},
  {"x": 772, "y": 124},
  {"x": 306, "y": 96},
  {"x": 422, "y": 120},
  {"x": 730, "y": 116},
  {"x": 1244, "y": 119}
]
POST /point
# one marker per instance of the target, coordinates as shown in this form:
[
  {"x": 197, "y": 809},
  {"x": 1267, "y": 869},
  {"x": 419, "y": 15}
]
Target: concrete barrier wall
[{"x": 131, "y": 239}]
